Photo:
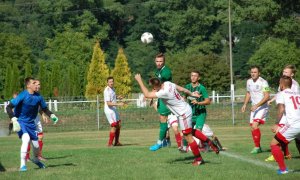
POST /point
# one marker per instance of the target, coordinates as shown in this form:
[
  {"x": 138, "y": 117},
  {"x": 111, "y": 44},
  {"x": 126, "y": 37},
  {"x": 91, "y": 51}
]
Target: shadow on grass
[
  {"x": 186, "y": 160},
  {"x": 133, "y": 144},
  {"x": 296, "y": 157},
  {"x": 58, "y": 165},
  {"x": 59, "y": 157},
  {"x": 2, "y": 168}
]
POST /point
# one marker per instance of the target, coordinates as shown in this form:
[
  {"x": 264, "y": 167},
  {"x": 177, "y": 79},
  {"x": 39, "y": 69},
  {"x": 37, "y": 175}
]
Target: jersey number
[
  {"x": 296, "y": 101},
  {"x": 177, "y": 95}
]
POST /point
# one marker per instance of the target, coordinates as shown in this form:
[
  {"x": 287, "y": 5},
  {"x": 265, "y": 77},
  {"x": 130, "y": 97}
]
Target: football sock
[
  {"x": 178, "y": 139},
  {"x": 278, "y": 155},
  {"x": 195, "y": 149},
  {"x": 24, "y": 146},
  {"x": 28, "y": 151},
  {"x": 256, "y": 137},
  {"x": 36, "y": 150},
  {"x": 111, "y": 138},
  {"x": 163, "y": 130},
  {"x": 117, "y": 135},
  {"x": 201, "y": 136},
  {"x": 184, "y": 142},
  {"x": 41, "y": 147}
]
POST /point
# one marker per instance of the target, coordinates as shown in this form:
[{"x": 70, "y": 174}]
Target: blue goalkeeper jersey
[{"x": 26, "y": 106}]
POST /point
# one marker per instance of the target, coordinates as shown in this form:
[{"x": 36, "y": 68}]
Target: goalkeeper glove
[
  {"x": 54, "y": 118},
  {"x": 16, "y": 125}
]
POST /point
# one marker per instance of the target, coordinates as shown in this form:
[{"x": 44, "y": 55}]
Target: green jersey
[
  {"x": 164, "y": 74},
  {"x": 198, "y": 109}
]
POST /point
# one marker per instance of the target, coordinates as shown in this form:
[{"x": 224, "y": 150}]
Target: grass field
[{"x": 84, "y": 155}]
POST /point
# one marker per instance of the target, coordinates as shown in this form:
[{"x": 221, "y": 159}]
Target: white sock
[
  {"x": 36, "y": 149},
  {"x": 25, "y": 143}
]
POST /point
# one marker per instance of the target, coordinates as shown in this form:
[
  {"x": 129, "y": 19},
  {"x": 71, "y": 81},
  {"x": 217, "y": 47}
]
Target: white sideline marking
[{"x": 251, "y": 161}]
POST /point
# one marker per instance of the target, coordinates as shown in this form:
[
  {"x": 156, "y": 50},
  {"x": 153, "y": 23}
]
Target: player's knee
[
  {"x": 187, "y": 131},
  {"x": 25, "y": 138}
]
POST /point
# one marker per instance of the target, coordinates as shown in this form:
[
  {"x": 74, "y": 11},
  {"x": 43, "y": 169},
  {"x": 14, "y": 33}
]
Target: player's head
[
  {"x": 110, "y": 81},
  {"x": 37, "y": 85},
  {"x": 155, "y": 84},
  {"x": 159, "y": 60},
  {"x": 285, "y": 82},
  {"x": 289, "y": 70},
  {"x": 255, "y": 72},
  {"x": 29, "y": 83},
  {"x": 15, "y": 94},
  {"x": 195, "y": 76}
]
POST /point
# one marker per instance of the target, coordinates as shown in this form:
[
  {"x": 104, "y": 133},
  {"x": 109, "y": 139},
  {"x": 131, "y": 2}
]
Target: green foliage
[
  {"x": 97, "y": 73},
  {"x": 288, "y": 28},
  {"x": 122, "y": 74},
  {"x": 28, "y": 69},
  {"x": 44, "y": 77},
  {"x": 272, "y": 56},
  {"x": 216, "y": 77},
  {"x": 12, "y": 81}
]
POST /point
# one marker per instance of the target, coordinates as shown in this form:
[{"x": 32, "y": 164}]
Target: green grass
[{"x": 84, "y": 155}]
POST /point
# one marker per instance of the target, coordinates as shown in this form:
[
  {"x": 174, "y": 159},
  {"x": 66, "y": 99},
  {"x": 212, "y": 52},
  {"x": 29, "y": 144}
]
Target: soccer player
[
  {"x": 26, "y": 106},
  {"x": 163, "y": 73},
  {"x": 287, "y": 104},
  {"x": 197, "y": 104},
  {"x": 168, "y": 93},
  {"x": 258, "y": 90},
  {"x": 39, "y": 127},
  {"x": 290, "y": 71},
  {"x": 112, "y": 115}
]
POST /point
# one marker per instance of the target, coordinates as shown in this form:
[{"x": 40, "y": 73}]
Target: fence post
[
  {"x": 213, "y": 96},
  {"x": 50, "y": 105},
  {"x": 218, "y": 98},
  {"x": 98, "y": 112},
  {"x": 5, "y": 105},
  {"x": 55, "y": 105}
]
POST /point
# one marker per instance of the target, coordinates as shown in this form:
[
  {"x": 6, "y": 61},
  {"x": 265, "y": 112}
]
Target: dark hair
[
  {"x": 154, "y": 82},
  {"x": 110, "y": 77},
  {"x": 287, "y": 81},
  {"x": 255, "y": 66},
  {"x": 27, "y": 80},
  {"x": 196, "y": 71},
  {"x": 292, "y": 67},
  {"x": 160, "y": 55}
]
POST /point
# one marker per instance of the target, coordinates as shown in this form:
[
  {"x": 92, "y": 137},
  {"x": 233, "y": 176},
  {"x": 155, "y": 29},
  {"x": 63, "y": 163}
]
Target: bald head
[{"x": 285, "y": 82}]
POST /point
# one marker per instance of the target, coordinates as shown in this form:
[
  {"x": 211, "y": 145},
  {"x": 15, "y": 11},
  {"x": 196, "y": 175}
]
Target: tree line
[{"x": 55, "y": 41}]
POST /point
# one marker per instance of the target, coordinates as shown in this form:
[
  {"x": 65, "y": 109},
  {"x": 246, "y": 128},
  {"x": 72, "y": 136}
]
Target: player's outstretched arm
[
  {"x": 145, "y": 91},
  {"x": 50, "y": 114},
  {"x": 187, "y": 92}
]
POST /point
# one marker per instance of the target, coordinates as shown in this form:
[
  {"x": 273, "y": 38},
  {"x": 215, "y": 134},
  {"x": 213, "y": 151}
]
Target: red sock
[
  {"x": 117, "y": 135},
  {"x": 256, "y": 137},
  {"x": 111, "y": 138},
  {"x": 28, "y": 152},
  {"x": 41, "y": 147},
  {"x": 195, "y": 150},
  {"x": 278, "y": 155},
  {"x": 200, "y": 135},
  {"x": 178, "y": 139}
]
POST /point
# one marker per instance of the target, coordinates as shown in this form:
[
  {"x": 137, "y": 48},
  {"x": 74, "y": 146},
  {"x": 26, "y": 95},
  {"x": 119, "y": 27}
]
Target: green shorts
[
  {"x": 162, "y": 108},
  {"x": 199, "y": 120}
]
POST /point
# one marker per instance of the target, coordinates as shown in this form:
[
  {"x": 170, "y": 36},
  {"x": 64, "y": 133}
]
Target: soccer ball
[{"x": 147, "y": 37}]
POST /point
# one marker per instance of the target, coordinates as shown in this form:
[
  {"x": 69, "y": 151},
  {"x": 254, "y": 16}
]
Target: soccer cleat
[
  {"x": 280, "y": 172},
  {"x": 256, "y": 150},
  {"x": 23, "y": 169},
  {"x": 118, "y": 144},
  {"x": 183, "y": 149},
  {"x": 39, "y": 164},
  {"x": 197, "y": 162},
  {"x": 288, "y": 157},
  {"x": 155, "y": 147},
  {"x": 270, "y": 159},
  {"x": 166, "y": 143}
]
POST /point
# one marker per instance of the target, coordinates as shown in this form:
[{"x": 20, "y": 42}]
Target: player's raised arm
[
  {"x": 145, "y": 91},
  {"x": 186, "y": 91}
]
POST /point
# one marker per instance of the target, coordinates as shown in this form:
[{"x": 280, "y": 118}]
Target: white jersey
[
  {"x": 295, "y": 87},
  {"x": 109, "y": 95},
  {"x": 291, "y": 101},
  {"x": 257, "y": 89},
  {"x": 173, "y": 99}
]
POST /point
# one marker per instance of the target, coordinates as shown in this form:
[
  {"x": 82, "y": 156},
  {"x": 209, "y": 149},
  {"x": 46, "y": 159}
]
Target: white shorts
[
  {"x": 290, "y": 132},
  {"x": 112, "y": 116},
  {"x": 207, "y": 131},
  {"x": 185, "y": 122},
  {"x": 172, "y": 120},
  {"x": 38, "y": 124},
  {"x": 259, "y": 115}
]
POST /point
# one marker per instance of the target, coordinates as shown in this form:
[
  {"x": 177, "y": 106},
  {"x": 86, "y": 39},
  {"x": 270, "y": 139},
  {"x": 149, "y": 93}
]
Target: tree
[
  {"x": 12, "y": 80},
  {"x": 44, "y": 77},
  {"x": 97, "y": 73},
  {"x": 28, "y": 69},
  {"x": 122, "y": 74},
  {"x": 272, "y": 56}
]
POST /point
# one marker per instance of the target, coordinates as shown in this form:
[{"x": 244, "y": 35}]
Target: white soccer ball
[{"x": 147, "y": 37}]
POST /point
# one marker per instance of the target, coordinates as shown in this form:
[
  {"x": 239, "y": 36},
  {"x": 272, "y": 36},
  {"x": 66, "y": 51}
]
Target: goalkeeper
[{"x": 26, "y": 106}]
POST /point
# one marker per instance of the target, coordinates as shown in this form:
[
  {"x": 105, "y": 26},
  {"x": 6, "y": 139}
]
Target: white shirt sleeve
[
  {"x": 279, "y": 98},
  {"x": 247, "y": 84},
  {"x": 265, "y": 86},
  {"x": 163, "y": 93},
  {"x": 107, "y": 96}
]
